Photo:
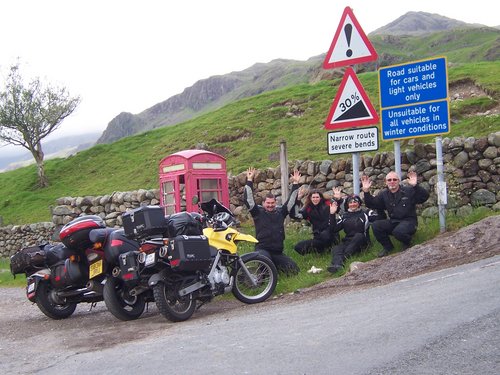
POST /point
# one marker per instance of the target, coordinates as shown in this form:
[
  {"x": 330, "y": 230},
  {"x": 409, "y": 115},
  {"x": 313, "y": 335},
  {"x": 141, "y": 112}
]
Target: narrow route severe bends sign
[{"x": 350, "y": 44}]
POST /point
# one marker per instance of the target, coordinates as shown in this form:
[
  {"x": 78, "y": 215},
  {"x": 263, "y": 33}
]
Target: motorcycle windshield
[{"x": 213, "y": 206}]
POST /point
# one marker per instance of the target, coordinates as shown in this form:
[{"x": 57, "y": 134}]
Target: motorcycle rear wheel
[
  {"x": 264, "y": 274},
  {"x": 120, "y": 303},
  {"x": 171, "y": 305},
  {"x": 48, "y": 302}
]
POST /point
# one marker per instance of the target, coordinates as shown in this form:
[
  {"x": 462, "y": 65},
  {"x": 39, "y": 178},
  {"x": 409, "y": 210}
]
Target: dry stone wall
[{"x": 471, "y": 168}]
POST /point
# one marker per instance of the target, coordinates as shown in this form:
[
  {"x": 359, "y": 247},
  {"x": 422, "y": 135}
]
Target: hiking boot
[
  {"x": 333, "y": 268},
  {"x": 384, "y": 252}
]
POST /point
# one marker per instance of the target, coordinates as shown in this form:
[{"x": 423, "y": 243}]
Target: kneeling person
[
  {"x": 355, "y": 223},
  {"x": 269, "y": 224}
]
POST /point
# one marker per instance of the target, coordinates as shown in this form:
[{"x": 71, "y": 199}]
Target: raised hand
[
  {"x": 337, "y": 192},
  {"x": 412, "y": 178},
  {"x": 295, "y": 177},
  {"x": 333, "y": 207},
  {"x": 250, "y": 173},
  {"x": 366, "y": 183}
]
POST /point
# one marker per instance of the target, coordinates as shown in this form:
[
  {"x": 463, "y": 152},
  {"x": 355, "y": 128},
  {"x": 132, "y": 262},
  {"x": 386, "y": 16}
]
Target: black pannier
[
  {"x": 116, "y": 244},
  {"x": 129, "y": 267},
  {"x": 28, "y": 259},
  {"x": 68, "y": 273},
  {"x": 145, "y": 221},
  {"x": 190, "y": 253},
  {"x": 183, "y": 223}
]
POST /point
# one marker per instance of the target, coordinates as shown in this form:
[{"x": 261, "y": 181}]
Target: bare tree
[{"x": 30, "y": 113}]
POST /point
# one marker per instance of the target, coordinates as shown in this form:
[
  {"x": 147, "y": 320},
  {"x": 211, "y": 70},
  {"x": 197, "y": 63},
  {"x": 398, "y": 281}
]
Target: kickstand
[{"x": 92, "y": 305}]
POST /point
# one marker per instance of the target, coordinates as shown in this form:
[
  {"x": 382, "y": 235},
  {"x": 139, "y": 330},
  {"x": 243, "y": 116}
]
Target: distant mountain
[
  {"x": 396, "y": 42},
  {"x": 18, "y": 157},
  {"x": 419, "y": 23},
  {"x": 211, "y": 93}
]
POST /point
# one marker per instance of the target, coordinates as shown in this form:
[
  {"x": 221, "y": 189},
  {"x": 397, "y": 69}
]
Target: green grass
[
  {"x": 287, "y": 284},
  {"x": 247, "y": 132},
  {"x": 6, "y": 278}
]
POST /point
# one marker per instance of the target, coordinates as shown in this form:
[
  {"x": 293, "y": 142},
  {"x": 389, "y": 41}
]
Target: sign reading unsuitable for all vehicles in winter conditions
[{"x": 414, "y": 99}]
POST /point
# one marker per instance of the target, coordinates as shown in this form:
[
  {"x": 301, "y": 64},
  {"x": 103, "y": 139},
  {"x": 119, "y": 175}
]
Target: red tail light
[
  {"x": 116, "y": 242},
  {"x": 127, "y": 276}
]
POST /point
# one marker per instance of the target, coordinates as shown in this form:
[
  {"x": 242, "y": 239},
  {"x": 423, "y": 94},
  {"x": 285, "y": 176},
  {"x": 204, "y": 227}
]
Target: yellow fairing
[{"x": 226, "y": 239}]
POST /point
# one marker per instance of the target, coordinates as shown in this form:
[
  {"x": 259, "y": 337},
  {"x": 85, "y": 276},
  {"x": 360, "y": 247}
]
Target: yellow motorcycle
[{"x": 197, "y": 268}]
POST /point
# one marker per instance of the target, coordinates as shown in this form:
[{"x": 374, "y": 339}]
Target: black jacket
[
  {"x": 351, "y": 222},
  {"x": 269, "y": 226},
  {"x": 317, "y": 215},
  {"x": 400, "y": 205}
]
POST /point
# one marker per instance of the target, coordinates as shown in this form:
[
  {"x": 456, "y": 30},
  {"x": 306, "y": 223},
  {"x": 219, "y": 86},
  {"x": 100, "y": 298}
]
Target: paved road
[{"x": 445, "y": 322}]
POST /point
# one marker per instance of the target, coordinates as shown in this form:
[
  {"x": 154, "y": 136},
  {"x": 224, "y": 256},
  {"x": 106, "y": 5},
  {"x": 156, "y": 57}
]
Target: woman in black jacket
[
  {"x": 316, "y": 210},
  {"x": 355, "y": 222}
]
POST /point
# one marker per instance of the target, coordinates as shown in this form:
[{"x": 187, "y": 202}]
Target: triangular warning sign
[
  {"x": 350, "y": 44},
  {"x": 351, "y": 106}
]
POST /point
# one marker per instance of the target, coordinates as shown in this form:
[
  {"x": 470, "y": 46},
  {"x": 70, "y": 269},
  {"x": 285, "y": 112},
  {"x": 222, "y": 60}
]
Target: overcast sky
[{"x": 126, "y": 56}]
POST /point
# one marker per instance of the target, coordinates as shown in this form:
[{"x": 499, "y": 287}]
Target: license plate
[
  {"x": 150, "y": 259},
  {"x": 31, "y": 287},
  {"x": 95, "y": 269}
]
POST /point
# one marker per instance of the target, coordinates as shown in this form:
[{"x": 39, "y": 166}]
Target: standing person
[
  {"x": 400, "y": 203},
  {"x": 269, "y": 223},
  {"x": 355, "y": 222},
  {"x": 316, "y": 210}
]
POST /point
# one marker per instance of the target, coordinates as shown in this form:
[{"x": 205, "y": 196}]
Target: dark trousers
[
  {"x": 348, "y": 247},
  {"x": 319, "y": 244},
  {"x": 282, "y": 262},
  {"x": 402, "y": 230}
]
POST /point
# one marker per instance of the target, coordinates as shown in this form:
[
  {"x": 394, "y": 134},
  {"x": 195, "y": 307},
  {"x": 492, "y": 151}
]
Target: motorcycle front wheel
[
  {"x": 120, "y": 303},
  {"x": 172, "y": 306},
  {"x": 265, "y": 276},
  {"x": 50, "y": 304}
]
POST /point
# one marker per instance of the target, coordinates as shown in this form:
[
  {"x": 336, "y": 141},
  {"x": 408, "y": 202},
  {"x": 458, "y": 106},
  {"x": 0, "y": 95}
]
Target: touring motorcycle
[
  {"x": 60, "y": 276},
  {"x": 195, "y": 259}
]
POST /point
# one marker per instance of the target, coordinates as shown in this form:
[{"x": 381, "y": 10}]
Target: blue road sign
[
  {"x": 416, "y": 82},
  {"x": 415, "y": 120},
  {"x": 414, "y": 99}
]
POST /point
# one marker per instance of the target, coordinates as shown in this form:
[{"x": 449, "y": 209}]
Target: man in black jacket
[
  {"x": 269, "y": 223},
  {"x": 400, "y": 203}
]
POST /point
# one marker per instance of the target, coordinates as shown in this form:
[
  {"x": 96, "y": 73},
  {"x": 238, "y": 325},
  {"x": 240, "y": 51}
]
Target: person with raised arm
[
  {"x": 399, "y": 201},
  {"x": 269, "y": 223}
]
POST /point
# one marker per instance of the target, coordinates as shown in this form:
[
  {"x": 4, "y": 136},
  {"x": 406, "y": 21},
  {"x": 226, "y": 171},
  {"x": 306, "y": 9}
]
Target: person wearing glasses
[{"x": 400, "y": 203}]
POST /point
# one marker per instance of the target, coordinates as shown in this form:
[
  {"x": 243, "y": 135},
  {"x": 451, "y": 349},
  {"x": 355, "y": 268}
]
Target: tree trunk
[{"x": 42, "y": 179}]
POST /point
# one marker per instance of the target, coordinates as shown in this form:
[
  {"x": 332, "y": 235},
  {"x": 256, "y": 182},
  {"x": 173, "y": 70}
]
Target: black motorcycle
[{"x": 60, "y": 276}]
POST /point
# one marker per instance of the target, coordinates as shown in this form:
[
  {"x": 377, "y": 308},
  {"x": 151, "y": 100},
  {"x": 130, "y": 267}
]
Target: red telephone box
[{"x": 192, "y": 173}]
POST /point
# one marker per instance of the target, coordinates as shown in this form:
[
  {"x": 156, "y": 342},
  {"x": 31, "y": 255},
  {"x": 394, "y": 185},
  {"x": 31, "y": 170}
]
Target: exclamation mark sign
[{"x": 348, "y": 33}]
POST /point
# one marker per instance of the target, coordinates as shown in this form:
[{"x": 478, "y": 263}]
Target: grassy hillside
[{"x": 247, "y": 132}]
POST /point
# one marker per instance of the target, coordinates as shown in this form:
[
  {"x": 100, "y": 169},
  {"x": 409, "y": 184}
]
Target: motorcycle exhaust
[{"x": 93, "y": 286}]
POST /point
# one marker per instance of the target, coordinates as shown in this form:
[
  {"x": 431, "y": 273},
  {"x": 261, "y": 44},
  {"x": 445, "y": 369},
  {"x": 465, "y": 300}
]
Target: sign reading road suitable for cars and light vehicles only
[
  {"x": 414, "y": 99},
  {"x": 351, "y": 106},
  {"x": 350, "y": 44},
  {"x": 353, "y": 140}
]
